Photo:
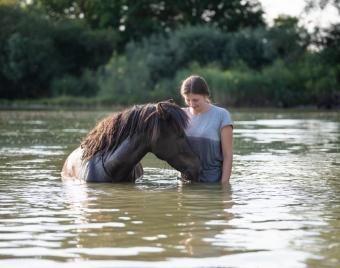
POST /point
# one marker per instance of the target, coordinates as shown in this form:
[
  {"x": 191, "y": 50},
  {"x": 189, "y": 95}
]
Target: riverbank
[
  {"x": 69, "y": 102},
  {"x": 64, "y": 102}
]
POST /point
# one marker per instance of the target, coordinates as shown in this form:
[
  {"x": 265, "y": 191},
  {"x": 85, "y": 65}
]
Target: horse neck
[{"x": 126, "y": 156}]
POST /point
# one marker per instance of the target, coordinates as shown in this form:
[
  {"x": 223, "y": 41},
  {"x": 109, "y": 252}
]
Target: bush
[
  {"x": 165, "y": 55},
  {"x": 307, "y": 82},
  {"x": 34, "y": 51},
  {"x": 26, "y": 54},
  {"x": 124, "y": 82},
  {"x": 66, "y": 86},
  {"x": 236, "y": 87},
  {"x": 247, "y": 46}
]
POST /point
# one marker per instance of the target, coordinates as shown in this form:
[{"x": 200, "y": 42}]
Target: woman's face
[{"x": 196, "y": 101}]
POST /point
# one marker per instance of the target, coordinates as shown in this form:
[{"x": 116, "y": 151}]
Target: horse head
[{"x": 171, "y": 144}]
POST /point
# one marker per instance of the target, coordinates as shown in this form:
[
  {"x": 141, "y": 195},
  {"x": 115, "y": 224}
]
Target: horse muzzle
[{"x": 188, "y": 176}]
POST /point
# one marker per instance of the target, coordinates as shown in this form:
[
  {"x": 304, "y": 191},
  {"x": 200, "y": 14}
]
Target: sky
[{"x": 295, "y": 8}]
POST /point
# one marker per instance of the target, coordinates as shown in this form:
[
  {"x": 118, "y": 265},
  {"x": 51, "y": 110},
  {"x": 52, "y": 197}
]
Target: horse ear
[
  {"x": 170, "y": 101},
  {"x": 162, "y": 112}
]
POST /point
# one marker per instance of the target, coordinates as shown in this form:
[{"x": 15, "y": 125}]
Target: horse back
[{"x": 74, "y": 168}]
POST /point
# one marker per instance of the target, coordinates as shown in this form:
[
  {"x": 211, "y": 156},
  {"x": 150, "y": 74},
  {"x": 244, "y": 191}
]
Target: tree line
[{"x": 126, "y": 52}]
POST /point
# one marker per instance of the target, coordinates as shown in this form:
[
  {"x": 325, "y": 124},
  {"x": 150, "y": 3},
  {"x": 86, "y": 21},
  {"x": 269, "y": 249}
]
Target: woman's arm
[{"x": 227, "y": 152}]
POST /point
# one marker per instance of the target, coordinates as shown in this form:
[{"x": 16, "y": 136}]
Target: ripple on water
[{"x": 281, "y": 207}]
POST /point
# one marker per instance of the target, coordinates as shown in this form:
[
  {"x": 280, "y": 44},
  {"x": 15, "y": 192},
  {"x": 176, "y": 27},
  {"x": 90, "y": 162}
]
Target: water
[{"x": 282, "y": 208}]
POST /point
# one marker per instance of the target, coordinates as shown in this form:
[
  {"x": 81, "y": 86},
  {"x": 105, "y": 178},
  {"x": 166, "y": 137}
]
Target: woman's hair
[{"x": 196, "y": 85}]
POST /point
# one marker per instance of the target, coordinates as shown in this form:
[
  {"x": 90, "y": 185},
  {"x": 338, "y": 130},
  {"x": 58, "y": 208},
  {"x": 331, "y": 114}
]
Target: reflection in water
[
  {"x": 282, "y": 206},
  {"x": 158, "y": 225},
  {"x": 214, "y": 216}
]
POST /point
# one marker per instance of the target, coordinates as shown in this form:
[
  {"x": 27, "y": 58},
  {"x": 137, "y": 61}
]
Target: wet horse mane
[{"x": 145, "y": 119}]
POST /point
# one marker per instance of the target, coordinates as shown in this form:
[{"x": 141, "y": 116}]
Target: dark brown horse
[{"x": 112, "y": 151}]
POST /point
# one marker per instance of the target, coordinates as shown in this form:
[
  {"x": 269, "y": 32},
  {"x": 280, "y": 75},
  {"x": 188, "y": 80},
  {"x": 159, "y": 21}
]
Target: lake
[{"x": 281, "y": 209}]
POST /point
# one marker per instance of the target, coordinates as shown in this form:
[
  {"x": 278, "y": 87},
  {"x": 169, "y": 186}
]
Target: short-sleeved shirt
[{"x": 204, "y": 135}]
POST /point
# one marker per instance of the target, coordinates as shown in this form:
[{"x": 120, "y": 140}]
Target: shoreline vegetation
[
  {"x": 74, "y": 103},
  {"x": 54, "y": 54},
  {"x": 64, "y": 102}
]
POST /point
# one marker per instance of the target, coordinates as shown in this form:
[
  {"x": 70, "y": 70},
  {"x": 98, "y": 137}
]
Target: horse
[{"x": 113, "y": 149}]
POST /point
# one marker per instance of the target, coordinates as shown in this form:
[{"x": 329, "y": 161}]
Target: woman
[{"x": 210, "y": 132}]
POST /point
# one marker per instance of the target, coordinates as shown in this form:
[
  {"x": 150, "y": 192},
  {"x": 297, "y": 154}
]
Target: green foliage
[
  {"x": 147, "y": 70},
  {"x": 34, "y": 51},
  {"x": 124, "y": 82},
  {"x": 280, "y": 85},
  {"x": 285, "y": 21},
  {"x": 67, "y": 85},
  {"x": 73, "y": 49},
  {"x": 86, "y": 85},
  {"x": 25, "y": 54},
  {"x": 320, "y": 81},
  {"x": 247, "y": 46},
  {"x": 285, "y": 40},
  {"x": 234, "y": 87},
  {"x": 81, "y": 48},
  {"x": 330, "y": 44},
  {"x": 260, "y": 47},
  {"x": 166, "y": 89},
  {"x": 140, "y": 19},
  {"x": 258, "y": 73},
  {"x": 164, "y": 55}
]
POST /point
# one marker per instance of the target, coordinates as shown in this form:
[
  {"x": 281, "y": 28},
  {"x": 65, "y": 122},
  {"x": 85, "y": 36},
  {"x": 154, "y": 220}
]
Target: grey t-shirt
[{"x": 204, "y": 135}]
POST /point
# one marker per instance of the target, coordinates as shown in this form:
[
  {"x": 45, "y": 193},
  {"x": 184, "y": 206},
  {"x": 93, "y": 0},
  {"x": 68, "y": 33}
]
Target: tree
[
  {"x": 314, "y": 4},
  {"x": 330, "y": 53},
  {"x": 286, "y": 40},
  {"x": 262, "y": 46},
  {"x": 229, "y": 15},
  {"x": 328, "y": 39},
  {"x": 35, "y": 50},
  {"x": 246, "y": 46},
  {"x": 139, "y": 19},
  {"x": 25, "y": 53}
]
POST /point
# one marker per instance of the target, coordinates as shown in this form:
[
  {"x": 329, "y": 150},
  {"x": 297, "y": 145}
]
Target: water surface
[{"x": 282, "y": 208}]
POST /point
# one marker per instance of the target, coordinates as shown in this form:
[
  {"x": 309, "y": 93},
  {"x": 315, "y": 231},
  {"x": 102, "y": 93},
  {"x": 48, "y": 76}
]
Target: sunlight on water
[{"x": 282, "y": 208}]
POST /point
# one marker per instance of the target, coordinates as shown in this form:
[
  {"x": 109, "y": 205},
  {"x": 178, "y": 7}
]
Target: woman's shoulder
[
  {"x": 223, "y": 116},
  {"x": 220, "y": 110}
]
